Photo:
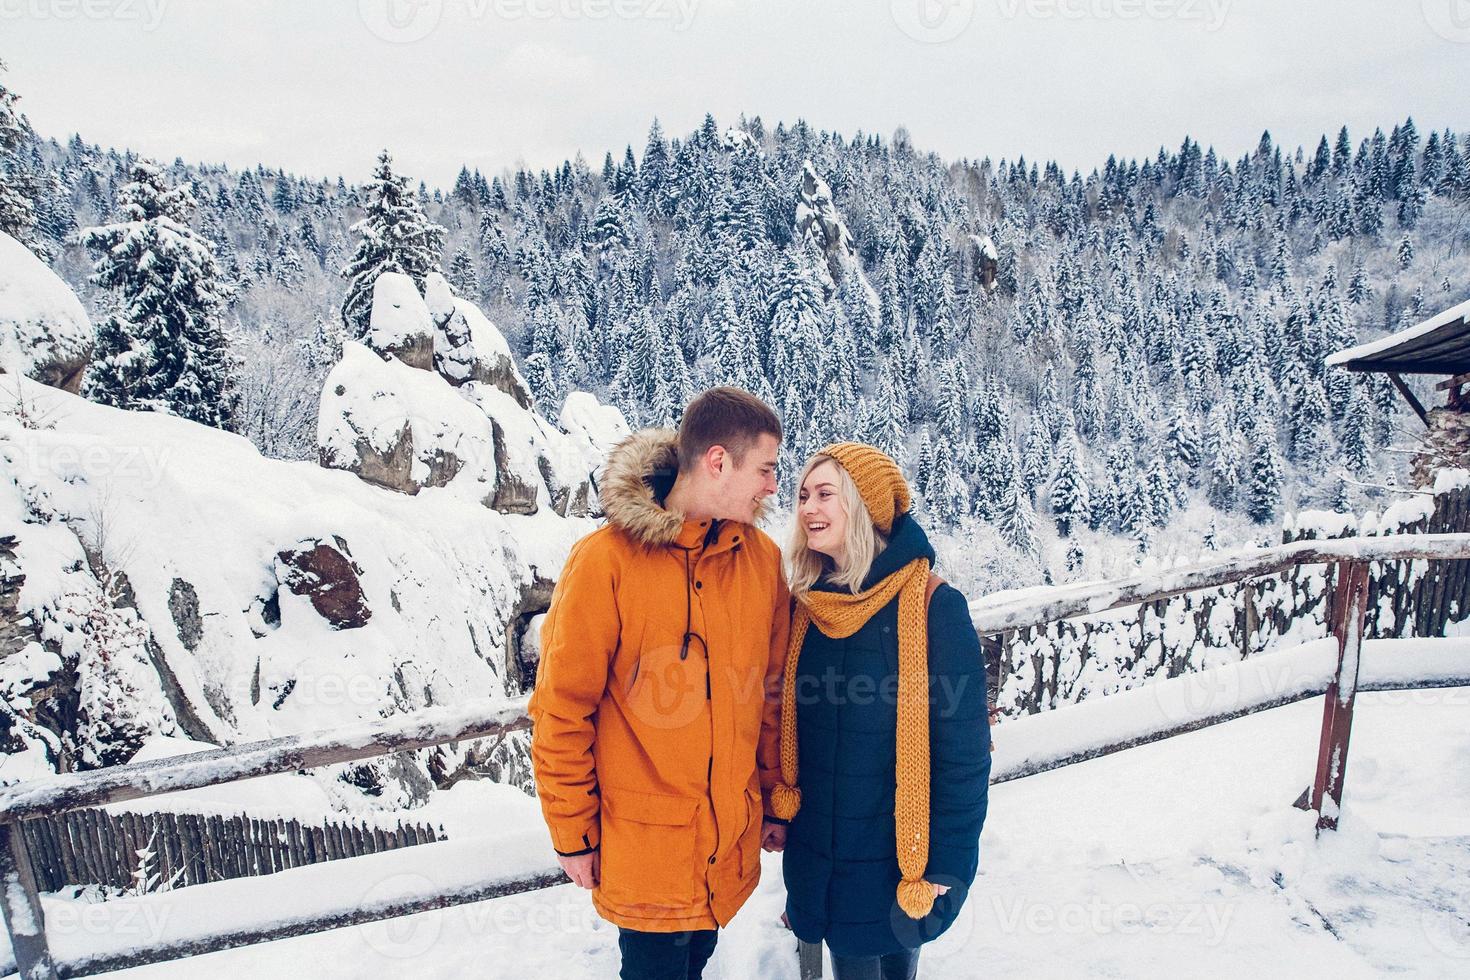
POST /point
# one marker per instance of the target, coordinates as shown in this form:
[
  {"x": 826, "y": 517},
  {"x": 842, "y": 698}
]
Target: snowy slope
[
  {"x": 177, "y": 502},
  {"x": 1184, "y": 857},
  {"x": 44, "y": 331}
]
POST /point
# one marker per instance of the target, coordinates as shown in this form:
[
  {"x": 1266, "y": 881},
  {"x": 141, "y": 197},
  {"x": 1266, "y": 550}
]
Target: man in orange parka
[{"x": 666, "y": 634}]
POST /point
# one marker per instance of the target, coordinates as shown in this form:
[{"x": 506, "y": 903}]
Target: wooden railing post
[
  {"x": 1350, "y": 603},
  {"x": 809, "y": 960},
  {"x": 22, "y": 904}
]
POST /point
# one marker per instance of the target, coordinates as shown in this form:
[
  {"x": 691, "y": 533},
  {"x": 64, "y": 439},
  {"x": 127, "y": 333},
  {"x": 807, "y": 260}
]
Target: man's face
[{"x": 744, "y": 486}]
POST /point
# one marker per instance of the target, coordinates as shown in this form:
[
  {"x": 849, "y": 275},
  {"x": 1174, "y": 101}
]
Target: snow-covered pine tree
[
  {"x": 1071, "y": 500},
  {"x": 1263, "y": 492},
  {"x": 17, "y": 188},
  {"x": 1163, "y": 491},
  {"x": 947, "y": 497},
  {"x": 163, "y": 347},
  {"x": 1017, "y": 519},
  {"x": 1036, "y": 457},
  {"x": 462, "y": 275},
  {"x": 394, "y": 236}
]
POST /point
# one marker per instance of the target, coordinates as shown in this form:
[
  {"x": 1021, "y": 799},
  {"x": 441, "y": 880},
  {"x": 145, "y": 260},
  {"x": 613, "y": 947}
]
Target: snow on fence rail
[
  {"x": 1069, "y": 661},
  {"x": 1067, "y": 601},
  {"x": 21, "y": 902}
]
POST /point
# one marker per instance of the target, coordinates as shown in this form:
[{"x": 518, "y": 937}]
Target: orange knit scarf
[{"x": 840, "y": 615}]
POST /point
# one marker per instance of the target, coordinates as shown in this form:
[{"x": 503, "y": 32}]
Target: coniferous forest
[{"x": 1078, "y": 370}]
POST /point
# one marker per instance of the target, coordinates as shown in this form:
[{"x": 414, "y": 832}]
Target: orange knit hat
[{"x": 879, "y": 480}]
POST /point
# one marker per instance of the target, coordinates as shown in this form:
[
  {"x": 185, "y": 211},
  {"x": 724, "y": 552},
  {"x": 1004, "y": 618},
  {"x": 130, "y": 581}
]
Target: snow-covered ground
[{"x": 1183, "y": 857}]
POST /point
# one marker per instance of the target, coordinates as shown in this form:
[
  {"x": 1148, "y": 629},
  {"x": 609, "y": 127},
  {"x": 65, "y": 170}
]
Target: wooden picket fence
[{"x": 93, "y": 846}]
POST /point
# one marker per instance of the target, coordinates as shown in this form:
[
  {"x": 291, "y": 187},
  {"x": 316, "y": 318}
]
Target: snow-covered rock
[
  {"x": 737, "y": 139},
  {"x": 197, "y": 531},
  {"x": 820, "y": 225},
  {"x": 468, "y": 424},
  {"x": 593, "y": 427},
  {"x": 818, "y": 222},
  {"x": 44, "y": 331},
  {"x": 403, "y": 428},
  {"x": 984, "y": 259},
  {"x": 401, "y": 324},
  {"x": 470, "y": 348}
]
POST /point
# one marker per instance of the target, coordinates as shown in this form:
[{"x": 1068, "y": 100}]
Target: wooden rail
[
  {"x": 20, "y": 900},
  {"x": 1069, "y": 601}
]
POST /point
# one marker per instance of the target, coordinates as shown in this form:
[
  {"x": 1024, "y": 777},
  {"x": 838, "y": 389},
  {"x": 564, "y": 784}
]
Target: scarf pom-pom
[
  {"x": 915, "y": 897},
  {"x": 785, "y": 800}
]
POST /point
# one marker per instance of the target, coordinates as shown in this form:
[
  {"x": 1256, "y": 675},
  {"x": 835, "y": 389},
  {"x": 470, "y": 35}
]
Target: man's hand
[
  {"x": 773, "y": 836},
  {"x": 583, "y": 869}
]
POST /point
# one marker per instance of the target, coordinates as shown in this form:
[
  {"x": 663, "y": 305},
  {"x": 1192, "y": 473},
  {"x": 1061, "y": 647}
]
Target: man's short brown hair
[{"x": 726, "y": 417}]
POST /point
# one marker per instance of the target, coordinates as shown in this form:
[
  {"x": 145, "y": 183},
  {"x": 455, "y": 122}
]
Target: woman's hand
[
  {"x": 938, "y": 889},
  {"x": 773, "y": 836}
]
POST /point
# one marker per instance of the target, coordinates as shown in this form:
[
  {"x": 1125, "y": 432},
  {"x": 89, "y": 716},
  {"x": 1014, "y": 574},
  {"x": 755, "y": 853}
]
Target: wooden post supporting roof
[
  {"x": 1439, "y": 345},
  {"x": 1414, "y": 403}
]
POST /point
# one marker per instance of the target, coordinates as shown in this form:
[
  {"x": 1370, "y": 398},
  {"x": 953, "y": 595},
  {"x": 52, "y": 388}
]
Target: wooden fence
[
  {"x": 1046, "y": 665},
  {"x": 26, "y": 802},
  {"x": 93, "y": 846}
]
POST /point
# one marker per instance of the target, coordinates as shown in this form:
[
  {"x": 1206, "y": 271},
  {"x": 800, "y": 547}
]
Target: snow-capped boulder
[
  {"x": 820, "y": 225},
  {"x": 407, "y": 430},
  {"x": 403, "y": 428},
  {"x": 44, "y": 331},
  {"x": 438, "y": 297},
  {"x": 593, "y": 427},
  {"x": 588, "y": 432},
  {"x": 818, "y": 222},
  {"x": 984, "y": 259},
  {"x": 468, "y": 347},
  {"x": 738, "y": 139},
  {"x": 400, "y": 323},
  {"x": 519, "y": 449},
  {"x": 210, "y": 638}
]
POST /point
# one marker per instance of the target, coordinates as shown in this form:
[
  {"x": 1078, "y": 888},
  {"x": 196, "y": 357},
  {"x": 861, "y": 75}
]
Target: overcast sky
[{"x": 318, "y": 86}]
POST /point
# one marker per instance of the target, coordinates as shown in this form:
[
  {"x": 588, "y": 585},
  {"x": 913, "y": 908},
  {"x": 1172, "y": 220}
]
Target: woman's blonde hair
[{"x": 863, "y": 540}]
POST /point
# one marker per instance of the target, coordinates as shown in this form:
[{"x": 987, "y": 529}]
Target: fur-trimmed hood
[{"x": 640, "y": 471}]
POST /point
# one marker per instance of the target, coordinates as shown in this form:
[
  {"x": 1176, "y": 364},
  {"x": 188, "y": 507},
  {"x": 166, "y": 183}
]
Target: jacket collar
[
  {"x": 907, "y": 542},
  {"x": 639, "y": 475}
]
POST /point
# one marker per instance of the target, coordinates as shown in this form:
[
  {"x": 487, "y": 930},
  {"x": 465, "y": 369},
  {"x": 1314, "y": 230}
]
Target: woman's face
[{"x": 819, "y": 508}]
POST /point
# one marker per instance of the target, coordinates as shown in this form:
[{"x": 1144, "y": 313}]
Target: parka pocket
[
  {"x": 750, "y": 841},
  {"x": 648, "y": 842}
]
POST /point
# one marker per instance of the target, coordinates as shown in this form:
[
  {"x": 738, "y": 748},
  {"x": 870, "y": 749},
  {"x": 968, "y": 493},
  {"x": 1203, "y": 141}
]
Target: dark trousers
[
  {"x": 894, "y": 966},
  {"x": 665, "y": 955}
]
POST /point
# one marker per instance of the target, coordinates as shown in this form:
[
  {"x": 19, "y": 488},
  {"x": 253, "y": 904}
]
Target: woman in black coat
[{"x": 855, "y": 544}]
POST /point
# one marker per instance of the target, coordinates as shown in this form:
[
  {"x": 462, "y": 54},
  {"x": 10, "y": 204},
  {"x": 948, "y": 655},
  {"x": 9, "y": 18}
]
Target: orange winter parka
[{"x": 656, "y": 700}]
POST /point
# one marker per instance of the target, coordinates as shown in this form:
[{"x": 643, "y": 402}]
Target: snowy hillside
[
  {"x": 178, "y": 583},
  {"x": 1078, "y": 369},
  {"x": 44, "y": 331}
]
